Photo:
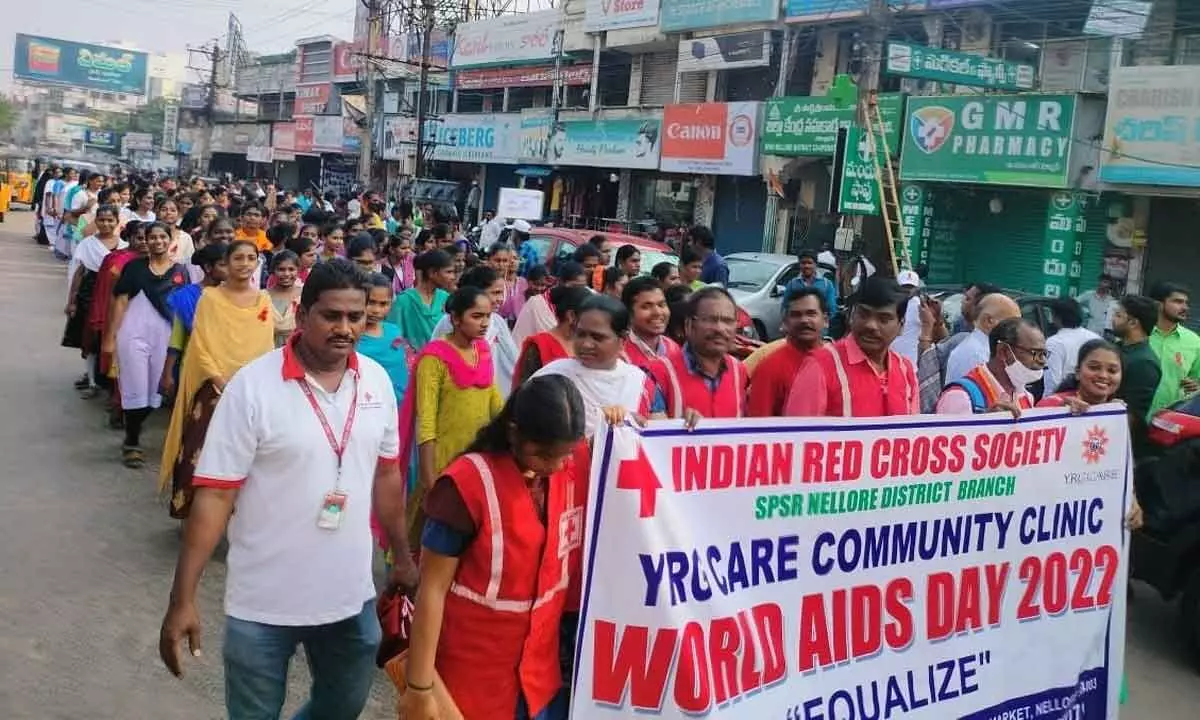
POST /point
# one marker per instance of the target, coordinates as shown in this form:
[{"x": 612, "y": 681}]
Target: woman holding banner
[{"x": 511, "y": 502}]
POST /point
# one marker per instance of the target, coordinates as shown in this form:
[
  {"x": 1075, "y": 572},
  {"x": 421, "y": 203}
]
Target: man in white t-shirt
[{"x": 302, "y": 445}]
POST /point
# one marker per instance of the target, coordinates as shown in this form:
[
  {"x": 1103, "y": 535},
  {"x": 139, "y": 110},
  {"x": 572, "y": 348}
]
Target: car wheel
[{"x": 761, "y": 331}]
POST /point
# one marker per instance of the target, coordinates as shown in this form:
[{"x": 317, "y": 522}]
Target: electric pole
[
  {"x": 366, "y": 153},
  {"x": 210, "y": 103},
  {"x": 427, "y": 18}
]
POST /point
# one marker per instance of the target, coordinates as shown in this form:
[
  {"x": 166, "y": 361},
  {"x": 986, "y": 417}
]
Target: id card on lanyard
[{"x": 334, "y": 504}]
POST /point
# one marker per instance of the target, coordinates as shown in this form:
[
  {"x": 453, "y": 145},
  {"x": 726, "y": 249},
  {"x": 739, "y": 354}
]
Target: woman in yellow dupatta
[{"x": 233, "y": 326}]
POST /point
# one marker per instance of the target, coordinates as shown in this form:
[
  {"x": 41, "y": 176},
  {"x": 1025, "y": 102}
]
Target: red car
[{"x": 554, "y": 243}]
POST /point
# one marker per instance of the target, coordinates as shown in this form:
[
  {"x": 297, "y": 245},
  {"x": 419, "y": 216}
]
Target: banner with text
[{"x": 810, "y": 569}]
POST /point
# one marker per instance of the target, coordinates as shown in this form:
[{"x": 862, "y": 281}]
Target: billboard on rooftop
[{"x": 81, "y": 65}]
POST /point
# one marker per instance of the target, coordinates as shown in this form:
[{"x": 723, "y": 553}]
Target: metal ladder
[{"x": 885, "y": 179}]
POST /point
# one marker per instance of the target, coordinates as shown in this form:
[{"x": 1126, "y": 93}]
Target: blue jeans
[
  {"x": 341, "y": 658},
  {"x": 556, "y": 710}
]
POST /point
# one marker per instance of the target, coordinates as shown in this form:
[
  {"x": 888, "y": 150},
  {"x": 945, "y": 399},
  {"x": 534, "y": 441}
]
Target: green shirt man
[{"x": 1177, "y": 348}]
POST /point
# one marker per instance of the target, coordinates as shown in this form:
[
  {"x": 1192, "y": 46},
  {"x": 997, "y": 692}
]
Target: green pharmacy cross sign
[
  {"x": 918, "y": 61},
  {"x": 858, "y": 192}
]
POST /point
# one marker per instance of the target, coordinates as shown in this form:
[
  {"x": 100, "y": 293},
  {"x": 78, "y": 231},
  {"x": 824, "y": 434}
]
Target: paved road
[{"x": 86, "y": 550}]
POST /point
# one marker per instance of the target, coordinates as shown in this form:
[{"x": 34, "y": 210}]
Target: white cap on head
[
  {"x": 908, "y": 278},
  {"x": 521, "y": 226}
]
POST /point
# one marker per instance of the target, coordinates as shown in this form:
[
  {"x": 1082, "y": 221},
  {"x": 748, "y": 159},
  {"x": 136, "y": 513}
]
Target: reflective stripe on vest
[
  {"x": 491, "y": 599},
  {"x": 843, "y": 381},
  {"x": 676, "y": 388}
]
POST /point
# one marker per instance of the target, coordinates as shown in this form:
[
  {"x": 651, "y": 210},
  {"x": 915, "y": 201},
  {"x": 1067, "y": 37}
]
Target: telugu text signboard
[
  {"x": 1152, "y": 128},
  {"x": 808, "y": 126},
  {"x": 947, "y": 66},
  {"x": 994, "y": 139},
  {"x": 922, "y": 568},
  {"x": 82, "y": 65}
]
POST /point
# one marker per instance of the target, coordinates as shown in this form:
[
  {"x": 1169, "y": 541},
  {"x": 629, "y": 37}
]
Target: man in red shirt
[
  {"x": 805, "y": 318},
  {"x": 859, "y": 375},
  {"x": 702, "y": 379}
]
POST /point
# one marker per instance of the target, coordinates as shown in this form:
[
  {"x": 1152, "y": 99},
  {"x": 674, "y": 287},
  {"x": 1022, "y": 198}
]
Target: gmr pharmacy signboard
[
  {"x": 1152, "y": 130},
  {"x": 994, "y": 139},
  {"x": 506, "y": 40},
  {"x": 832, "y": 569},
  {"x": 710, "y": 138}
]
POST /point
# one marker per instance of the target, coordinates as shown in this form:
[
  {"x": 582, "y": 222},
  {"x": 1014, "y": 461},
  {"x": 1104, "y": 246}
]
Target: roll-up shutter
[
  {"x": 658, "y": 81},
  {"x": 738, "y": 213},
  {"x": 972, "y": 244}
]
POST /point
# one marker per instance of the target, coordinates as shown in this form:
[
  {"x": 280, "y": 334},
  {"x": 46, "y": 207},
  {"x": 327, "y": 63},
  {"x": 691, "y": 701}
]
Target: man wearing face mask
[{"x": 1018, "y": 358}]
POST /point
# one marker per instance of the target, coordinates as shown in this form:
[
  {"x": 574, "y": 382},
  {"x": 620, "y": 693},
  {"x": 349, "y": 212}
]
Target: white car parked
[{"x": 757, "y": 282}]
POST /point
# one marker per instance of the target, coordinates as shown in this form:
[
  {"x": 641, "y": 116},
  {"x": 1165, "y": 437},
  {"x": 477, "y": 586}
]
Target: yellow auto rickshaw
[
  {"x": 17, "y": 172},
  {"x": 5, "y": 196}
]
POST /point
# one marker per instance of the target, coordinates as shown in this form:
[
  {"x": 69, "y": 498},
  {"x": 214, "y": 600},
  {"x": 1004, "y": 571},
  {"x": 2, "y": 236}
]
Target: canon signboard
[{"x": 711, "y": 138}]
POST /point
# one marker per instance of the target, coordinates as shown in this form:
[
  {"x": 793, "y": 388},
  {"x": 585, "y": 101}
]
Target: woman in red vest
[
  {"x": 649, "y": 316},
  {"x": 509, "y": 502},
  {"x": 702, "y": 379},
  {"x": 543, "y": 348}
]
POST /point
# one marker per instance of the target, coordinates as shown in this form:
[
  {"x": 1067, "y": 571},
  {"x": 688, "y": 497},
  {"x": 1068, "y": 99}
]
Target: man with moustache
[
  {"x": 806, "y": 315},
  {"x": 860, "y": 375},
  {"x": 703, "y": 379}
]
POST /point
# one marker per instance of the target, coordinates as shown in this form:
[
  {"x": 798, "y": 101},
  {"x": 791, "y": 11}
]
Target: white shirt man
[
  {"x": 907, "y": 342},
  {"x": 970, "y": 352},
  {"x": 266, "y": 439},
  {"x": 302, "y": 449},
  {"x": 1062, "y": 354}
]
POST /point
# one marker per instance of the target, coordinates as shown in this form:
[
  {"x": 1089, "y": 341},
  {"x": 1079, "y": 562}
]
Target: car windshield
[
  {"x": 650, "y": 258},
  {"x": 746, "y": 274}
]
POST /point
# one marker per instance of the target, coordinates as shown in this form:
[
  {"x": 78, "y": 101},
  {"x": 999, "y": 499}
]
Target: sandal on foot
[
  {"x": 88, "y": 392},
  {"x": 132, "y": 457},
  {"x": 82, "y": 383}
]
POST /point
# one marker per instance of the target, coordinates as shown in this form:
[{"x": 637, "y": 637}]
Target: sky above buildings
[{"x": 171, "y": 26}]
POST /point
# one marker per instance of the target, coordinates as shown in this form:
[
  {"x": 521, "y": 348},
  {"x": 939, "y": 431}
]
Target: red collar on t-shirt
[{"x": 293, "y": 370}]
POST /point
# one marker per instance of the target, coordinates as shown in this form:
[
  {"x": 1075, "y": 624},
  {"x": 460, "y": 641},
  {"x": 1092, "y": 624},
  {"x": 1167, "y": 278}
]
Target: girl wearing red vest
[
  {"x": 541, "y": 349},
  {"x": 511, "y": 502},
  {"x": 613, "y": 390},
  {"x": 649, "y": 315}
]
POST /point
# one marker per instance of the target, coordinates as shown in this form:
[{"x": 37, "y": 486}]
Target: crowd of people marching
[{"x": 355, "y": 379}]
